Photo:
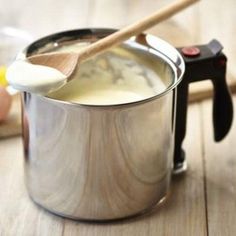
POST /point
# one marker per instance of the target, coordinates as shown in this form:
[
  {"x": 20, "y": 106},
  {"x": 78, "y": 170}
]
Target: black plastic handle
[
  {"x": 211, "y": 64},
  {"x": 203, "y": 62},
  {"x": 222, "y": 109}
]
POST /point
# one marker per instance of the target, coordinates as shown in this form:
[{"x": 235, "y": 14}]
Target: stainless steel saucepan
[{"x": 109, "y": 162}]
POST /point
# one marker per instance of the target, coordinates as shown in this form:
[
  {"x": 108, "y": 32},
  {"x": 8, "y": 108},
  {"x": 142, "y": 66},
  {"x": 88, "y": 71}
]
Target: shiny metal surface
[{"x": 100, "y": 162}]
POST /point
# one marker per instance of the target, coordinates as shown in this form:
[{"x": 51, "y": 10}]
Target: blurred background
[{"x": 199, "y": 24}]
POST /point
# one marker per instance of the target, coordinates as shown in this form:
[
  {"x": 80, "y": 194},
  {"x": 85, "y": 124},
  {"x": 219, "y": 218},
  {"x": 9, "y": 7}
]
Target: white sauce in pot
[{"x": 115, "y": 77}]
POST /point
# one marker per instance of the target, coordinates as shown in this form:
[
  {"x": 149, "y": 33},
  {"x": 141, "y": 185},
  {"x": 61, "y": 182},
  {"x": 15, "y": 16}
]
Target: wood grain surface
[{"x": 220, "y": 169}]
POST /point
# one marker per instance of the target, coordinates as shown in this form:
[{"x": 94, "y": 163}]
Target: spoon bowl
[{"x": 63, "y": 62}]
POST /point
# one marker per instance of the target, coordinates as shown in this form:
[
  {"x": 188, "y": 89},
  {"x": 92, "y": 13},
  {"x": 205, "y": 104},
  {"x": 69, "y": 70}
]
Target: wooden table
[{"x": 202, "y": 201}]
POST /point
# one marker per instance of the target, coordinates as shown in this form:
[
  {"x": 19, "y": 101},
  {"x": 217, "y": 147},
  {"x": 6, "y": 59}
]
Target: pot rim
[{"x": 164, "y": 51}]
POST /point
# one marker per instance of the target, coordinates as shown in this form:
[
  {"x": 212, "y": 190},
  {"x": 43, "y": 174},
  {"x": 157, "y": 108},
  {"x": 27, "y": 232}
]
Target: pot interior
[{"x": 142, "y": 68}]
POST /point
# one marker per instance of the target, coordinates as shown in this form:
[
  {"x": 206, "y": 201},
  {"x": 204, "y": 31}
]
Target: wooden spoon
[{"x": 67, "y": 62}]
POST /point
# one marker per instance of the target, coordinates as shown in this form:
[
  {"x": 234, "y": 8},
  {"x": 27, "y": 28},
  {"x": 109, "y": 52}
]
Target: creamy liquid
[
  {"x": 114, "y": 77},
  {"x": 25, "y": 76}
]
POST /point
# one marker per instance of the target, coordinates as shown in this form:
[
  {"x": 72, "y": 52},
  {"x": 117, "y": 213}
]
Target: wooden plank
[
  {"x": 220, "y": 164},
  {"x": 182, "y": 214},
  {"x": 204, "y": 89}
]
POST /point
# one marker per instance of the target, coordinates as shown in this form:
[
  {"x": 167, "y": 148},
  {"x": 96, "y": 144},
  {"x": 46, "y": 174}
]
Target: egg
[{"x": 5, "y": 103}]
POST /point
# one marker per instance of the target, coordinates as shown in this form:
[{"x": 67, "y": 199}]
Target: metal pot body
[{"x": 100, "y": 162}]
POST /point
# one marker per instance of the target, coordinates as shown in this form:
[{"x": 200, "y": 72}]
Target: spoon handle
[{"x": 134, "y": 29}]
